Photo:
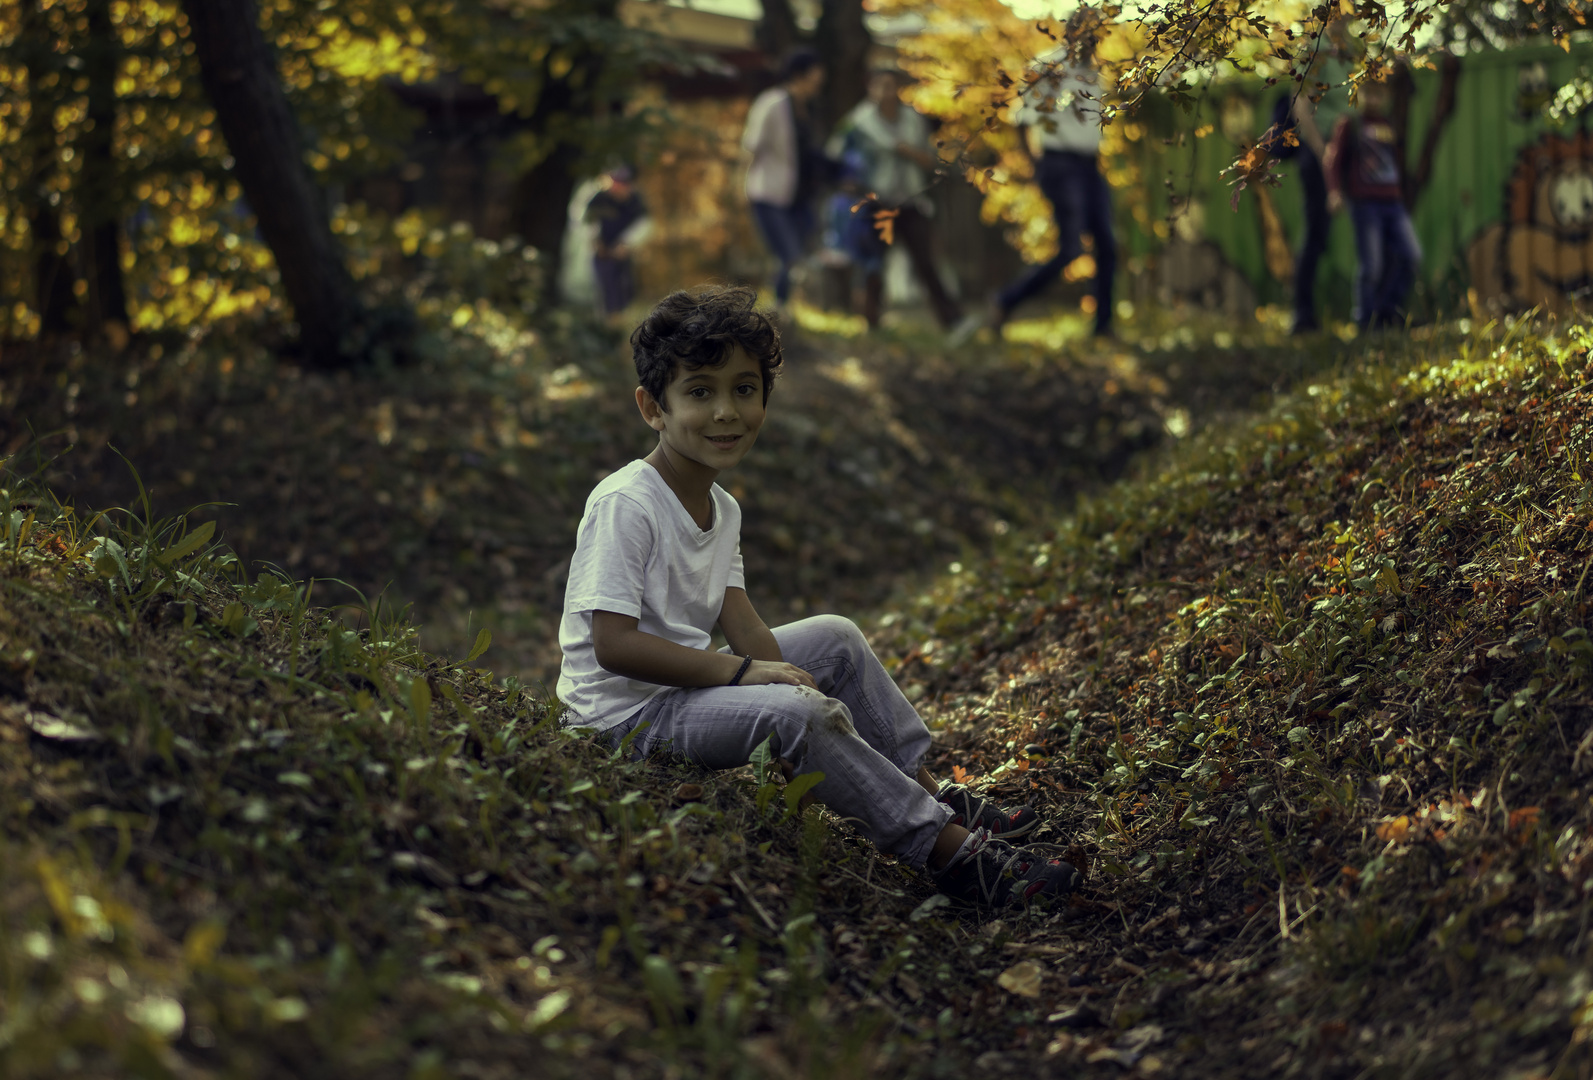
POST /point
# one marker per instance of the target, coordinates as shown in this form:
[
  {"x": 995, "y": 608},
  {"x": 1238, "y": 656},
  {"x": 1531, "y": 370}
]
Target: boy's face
[{"x": 714, "y": 413}]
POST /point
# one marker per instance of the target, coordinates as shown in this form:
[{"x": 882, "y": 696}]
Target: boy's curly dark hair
[{"x": 699, "y": 329}]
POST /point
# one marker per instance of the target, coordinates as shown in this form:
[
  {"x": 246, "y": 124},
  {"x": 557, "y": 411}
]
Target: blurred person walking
[
  {"x": 1363, "y": 164},
  {"x": 619, "y": 217},
  {"x": 1307, "y": 153},
  {"x": 1295, "y": 111},
  {"x": 783, "y": 165},
  {"x": 897, "y": 161},
  {"x": 1061, "y": 115}
]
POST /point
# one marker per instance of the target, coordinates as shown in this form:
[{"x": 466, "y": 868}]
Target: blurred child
[
  {"x": 620, "y": 215},
  {"x": 657, "y": 566}
]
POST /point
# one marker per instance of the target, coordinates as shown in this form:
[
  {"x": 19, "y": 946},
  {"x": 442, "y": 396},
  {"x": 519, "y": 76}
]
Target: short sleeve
[
  {"x": 608, "y": 568},
  {"x": 738, "y": 572}
]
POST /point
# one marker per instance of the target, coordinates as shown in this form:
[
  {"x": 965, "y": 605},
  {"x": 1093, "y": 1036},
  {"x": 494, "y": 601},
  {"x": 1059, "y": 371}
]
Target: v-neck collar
[{"x": 680, "y": 507}]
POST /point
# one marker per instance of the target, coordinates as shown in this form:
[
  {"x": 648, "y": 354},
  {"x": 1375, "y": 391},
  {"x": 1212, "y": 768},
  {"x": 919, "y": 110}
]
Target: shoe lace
[
  {"x": 965, "y": 802},
  {"x": 993, "y": 860}
]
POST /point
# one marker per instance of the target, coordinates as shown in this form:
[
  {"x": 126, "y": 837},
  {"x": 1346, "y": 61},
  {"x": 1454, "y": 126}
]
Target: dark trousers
[
  {"x": 1082, "y": 203},
  {"x": 1317, "y": 221},
  {"x": 1388, "y": 253},
  {"x": 785, "y": 232},
  {"x": 915, "y": 232},
  {"x": 616, "y": 282}
]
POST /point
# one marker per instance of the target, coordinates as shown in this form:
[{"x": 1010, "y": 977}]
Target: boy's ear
[{"x": 650, "y": 409}]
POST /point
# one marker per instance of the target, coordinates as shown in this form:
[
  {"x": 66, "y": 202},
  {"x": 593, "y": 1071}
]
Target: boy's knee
[
  {"x": 814, "y": 716},
  {"x": 842, "y": 629}
]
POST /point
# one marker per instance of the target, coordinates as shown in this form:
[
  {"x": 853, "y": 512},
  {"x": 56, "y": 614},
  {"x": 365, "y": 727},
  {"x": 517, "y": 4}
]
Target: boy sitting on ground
[{"x": 657, "y": 565}]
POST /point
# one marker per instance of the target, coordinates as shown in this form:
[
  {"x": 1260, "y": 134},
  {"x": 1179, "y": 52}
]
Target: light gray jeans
[{"x": 857, "y": 729}]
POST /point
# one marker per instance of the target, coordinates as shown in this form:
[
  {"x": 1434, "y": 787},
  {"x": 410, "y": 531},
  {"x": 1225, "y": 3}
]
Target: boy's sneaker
[
  {"x": 992, "y": 873},
  {"x": 972, "y": 813}
]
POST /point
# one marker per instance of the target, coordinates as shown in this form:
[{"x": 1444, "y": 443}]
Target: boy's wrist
[{"x": 746, "y": 662}]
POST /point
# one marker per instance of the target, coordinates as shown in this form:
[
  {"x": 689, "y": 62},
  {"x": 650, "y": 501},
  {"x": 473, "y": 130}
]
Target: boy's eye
[{"x": 699, "y": 392}]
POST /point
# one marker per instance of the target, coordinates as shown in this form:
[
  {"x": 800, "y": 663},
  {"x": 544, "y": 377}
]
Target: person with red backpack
[{"x": 1363, "y": 164}]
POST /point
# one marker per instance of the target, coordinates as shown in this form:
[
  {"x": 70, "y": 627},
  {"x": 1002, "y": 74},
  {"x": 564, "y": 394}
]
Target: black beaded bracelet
[{"x": 746, "y": 662}]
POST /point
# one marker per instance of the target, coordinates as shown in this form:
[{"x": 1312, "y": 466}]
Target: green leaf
[
  {"x": 483, "y": 640},
  {"x": 419, "y": 700},
  {"x": 759, "y": 760},
  {"x": 798, "y": 787},
  {"x": 237, "y": 620},
  {"x": 187, "y": 544}
]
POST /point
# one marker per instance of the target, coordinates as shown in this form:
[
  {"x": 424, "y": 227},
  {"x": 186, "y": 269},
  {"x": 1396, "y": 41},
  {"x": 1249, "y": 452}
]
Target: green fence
[{"x": 1505, "y": 219}]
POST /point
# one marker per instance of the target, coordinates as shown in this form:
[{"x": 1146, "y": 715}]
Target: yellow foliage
[{"x": 969, "y": 61}]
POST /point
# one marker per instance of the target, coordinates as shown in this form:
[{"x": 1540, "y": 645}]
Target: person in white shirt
[
  {"x": 1062, "y": 110},
  {"x": 780, "y": 169},
  {"x": 657, "y": 568},
  {"x": 894, "y": 141}
]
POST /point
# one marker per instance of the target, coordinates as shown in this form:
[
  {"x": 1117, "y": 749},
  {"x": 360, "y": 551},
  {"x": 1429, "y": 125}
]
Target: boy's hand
[{"x": 767, "y": 672}]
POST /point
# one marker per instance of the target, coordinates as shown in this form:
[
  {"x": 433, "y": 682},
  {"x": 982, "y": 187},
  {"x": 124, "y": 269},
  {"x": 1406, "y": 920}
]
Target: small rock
[
  {"x": 688, "y": 792},
  {"x": 1195, "y": 947}
]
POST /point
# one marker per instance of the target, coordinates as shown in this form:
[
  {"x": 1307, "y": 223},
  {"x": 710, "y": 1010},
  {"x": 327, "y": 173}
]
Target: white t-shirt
[
  {"x": 638, "y": 552},
  {"x": 1063, "y": 106}
]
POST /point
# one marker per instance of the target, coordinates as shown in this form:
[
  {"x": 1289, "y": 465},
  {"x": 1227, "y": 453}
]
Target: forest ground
[{"x": 1305, "y": 693}]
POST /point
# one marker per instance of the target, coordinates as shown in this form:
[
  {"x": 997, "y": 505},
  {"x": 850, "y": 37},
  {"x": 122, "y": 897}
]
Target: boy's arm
[
  {"x": 745, "y": 630},
  {"x": 626, "y": 650}
]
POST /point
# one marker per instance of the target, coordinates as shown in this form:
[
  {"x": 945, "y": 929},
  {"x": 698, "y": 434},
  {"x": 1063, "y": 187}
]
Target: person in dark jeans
[
  {"x": 1061, "y": 114},
  {"x": 783, "y": 163},
  {"x": 1363, "y": 164},
  {"x": 898, "y": 161},
  {"x": 1082, "y": 203},
  {"x": 1307, "y": 157}
]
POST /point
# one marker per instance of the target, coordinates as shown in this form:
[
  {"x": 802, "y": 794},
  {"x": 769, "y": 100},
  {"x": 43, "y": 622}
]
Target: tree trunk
[
  {"x": 1402, "y": 90},
  {"x": 777, "y": 31},
  {"x": 52, "y": 269},
  {"x": 842, "y": 42},
  {"x": 541, "y": 205},
  {"x": 99, "y": 194},
  {"x": 240, "y": 78},
  {"x": 541, "y": 209},
  {"x": 1448, "y": 80}
]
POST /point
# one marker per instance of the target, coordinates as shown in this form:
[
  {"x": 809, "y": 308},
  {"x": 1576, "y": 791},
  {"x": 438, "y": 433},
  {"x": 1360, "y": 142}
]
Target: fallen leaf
[
  {"x": 1395, "y": 830},
  {"x": 930, "y": 906},
  {"x": 53, "y": 727},
  {"x": 1022, "y": 978}
]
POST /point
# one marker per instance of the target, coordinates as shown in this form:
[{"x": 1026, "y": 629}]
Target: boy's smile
[{"x": 713, "y": 417}]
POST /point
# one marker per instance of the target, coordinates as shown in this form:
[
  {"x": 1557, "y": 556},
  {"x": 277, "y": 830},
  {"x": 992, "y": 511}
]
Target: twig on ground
[{"x": 753, "y": 900}]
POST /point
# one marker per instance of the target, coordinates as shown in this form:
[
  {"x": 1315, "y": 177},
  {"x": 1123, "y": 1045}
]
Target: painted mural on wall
[{"x": 1541, "y": 254}]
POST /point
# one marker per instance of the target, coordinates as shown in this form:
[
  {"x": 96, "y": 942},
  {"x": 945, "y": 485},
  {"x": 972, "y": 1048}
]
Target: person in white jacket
[{"x": 780, "y": 181}]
